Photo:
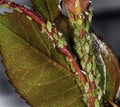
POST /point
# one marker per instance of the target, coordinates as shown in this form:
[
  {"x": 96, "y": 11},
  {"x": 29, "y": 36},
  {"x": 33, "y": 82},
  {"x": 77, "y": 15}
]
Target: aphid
[
  {"x": 55, "y": 36},
  {"x": 72, "y": 68},
  {"x": 100, "y": 93},
  {"x": 61, "y": 42},
  {"x": 89, "y": 66},
  {"x": 5, "y": 5},
  {"x": 49, "y": 26},
  {"x": 97, "y": 104},
  {"x": 54, "y": 45},
  {"x": 17, "y": 9},
  {"x": 90, "y": 76},
  {"x": 79, "y": 53},
  {"x": 94, "y": 66},
  {"x": 77, "y": 32},
  {"x": 88, "y": 37},
  {"x": 83, "y": 40},
  {"x": 86, "y": 57},
  {"x": 87, "y": 47},
  {"x": 27, "y": 7},
  {"x": 28, "y": 17},
  {"x": 83, "y": 64},
  {"x": 97, "y": 79},
  {"x": 86, "y": 87},
  {"x": 79, "y": 22}
]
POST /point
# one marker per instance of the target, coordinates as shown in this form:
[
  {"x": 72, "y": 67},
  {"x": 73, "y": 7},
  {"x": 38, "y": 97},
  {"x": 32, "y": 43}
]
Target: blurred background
[{"x": 106, "y": 23}]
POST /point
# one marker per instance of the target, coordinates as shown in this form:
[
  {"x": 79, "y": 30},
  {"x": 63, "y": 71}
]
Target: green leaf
[
  {"x": 113, "y": 72},
  {"x": 35, "y": 68},
  {"x": 112, "y": 69},
  {"x": 48, "y": 8}
]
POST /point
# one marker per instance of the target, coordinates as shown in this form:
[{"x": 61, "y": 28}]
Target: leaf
[
  {"x": 35, "y": 68},
  {"x": 113, "y": 72},
  {"x": 112, "y": 69},
  {"x": 48, "y": 8}
]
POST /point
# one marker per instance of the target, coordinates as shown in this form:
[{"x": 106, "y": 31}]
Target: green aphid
[
  {"x": 61, "y": 42},
  {"x": 90, "y": 13},
  {"x": 28, "y": 17},
  {"x": 93, "y": 58},
  {"x": 91, "y": 41},
  {"x": 72, "y": 68},
  {"x": 87, "y": 47},
  {"x": 83, "y": 64},
  {"x": 5, "y": 5},
  {"x": 87, "y": 27},
  {"x": 79, "y": 82},
  {"x": 97, "y": 104},
  {"x": 78, "y": 45},
  {"x": 94, "y": 66},
  {"x": 49, "y": 26},
  {"x": 100, "y": 93},
  {"x": 77, "y": 32},
  {"x": 26, "y": 6},
  {"x": 70, "y": 65},
  {"x": 86, "y": 57},
  {"x": 64, "y": 41},
  {"x": 89, "y": 66},
  {"x": 79, "y": 53},
  {"x": 83, "y": 40},
  {"x": 79, "y": 21},
  {"x": 97, "y": 79},
  {"x": 55, "y": 36},
  {"x": 77, "y": 41},
  {"x": 91, "y": 77},
  {"x": 87, "y": 87},
  {"x": 18, "y": 10}
]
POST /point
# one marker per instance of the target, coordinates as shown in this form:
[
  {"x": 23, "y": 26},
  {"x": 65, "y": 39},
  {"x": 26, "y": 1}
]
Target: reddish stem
[
  {"x": 66, "y": 52},
  {"x": 36, "y": 17}
]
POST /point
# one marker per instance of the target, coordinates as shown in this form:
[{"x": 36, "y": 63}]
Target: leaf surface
[
  {"x": 113, "y": 72},
  {"x": 48, "y": 8},
  {"x": 112, "y": 69},
  {"x": 35, "y": 68}
]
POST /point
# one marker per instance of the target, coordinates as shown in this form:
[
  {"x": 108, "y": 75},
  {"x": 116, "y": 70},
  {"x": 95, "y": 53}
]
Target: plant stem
[{"x": 79, "y": 13}]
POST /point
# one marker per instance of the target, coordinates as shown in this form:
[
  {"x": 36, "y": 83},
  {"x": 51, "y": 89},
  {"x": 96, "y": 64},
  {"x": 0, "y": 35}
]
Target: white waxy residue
[
  {"x": 102, "y": 47},
  {"x": 101, "y": 44}
]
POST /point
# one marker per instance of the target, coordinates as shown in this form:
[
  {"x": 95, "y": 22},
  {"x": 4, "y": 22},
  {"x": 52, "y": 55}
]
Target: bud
[{"x": 74, "y": 6}]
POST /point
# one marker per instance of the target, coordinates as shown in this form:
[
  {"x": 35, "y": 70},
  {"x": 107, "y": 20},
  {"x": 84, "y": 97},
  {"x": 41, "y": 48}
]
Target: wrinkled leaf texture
[{"x": 36, "y": 69}]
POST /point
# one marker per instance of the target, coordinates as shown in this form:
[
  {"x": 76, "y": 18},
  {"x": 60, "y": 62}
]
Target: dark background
[{"x": 106, "y": 23}]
